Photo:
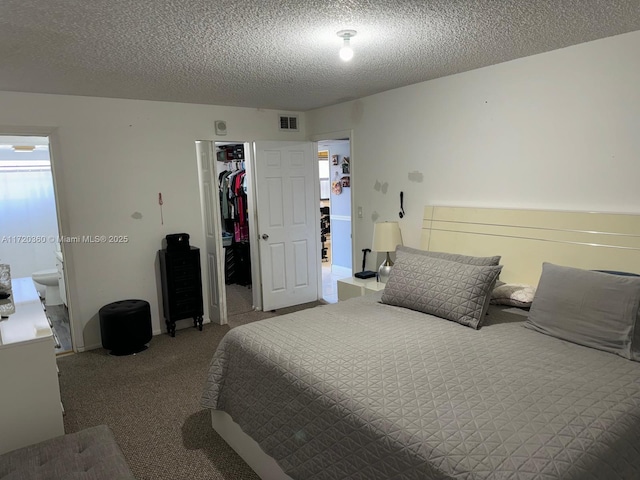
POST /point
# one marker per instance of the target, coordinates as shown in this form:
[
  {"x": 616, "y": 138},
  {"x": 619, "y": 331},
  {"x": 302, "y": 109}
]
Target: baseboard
[
  {"x": 180, "y": 325},
  {"x": 93, "y": 346}
]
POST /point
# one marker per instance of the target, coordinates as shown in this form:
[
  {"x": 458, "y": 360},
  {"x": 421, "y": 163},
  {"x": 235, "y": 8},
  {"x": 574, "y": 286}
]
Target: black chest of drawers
[{"x": 181, "y": 287}]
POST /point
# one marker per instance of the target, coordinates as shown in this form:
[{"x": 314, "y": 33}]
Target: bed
[{"x": 371, "y": 390}]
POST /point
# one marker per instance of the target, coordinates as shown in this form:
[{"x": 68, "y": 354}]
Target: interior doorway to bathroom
[{"x": 29, "y": 226}]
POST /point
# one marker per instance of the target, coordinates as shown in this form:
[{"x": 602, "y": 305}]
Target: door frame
[
  {"x": 337, "y": 135},
  {"x": 59, "y": 192},
  {"x": 252, "y": 211},
  {"x": 214, "y": 277}
]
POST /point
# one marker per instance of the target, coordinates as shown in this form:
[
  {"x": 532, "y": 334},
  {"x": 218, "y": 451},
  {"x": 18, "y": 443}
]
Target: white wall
[
  {"x": 557, "y": 130},
  {"x": 111, "y": 159}
]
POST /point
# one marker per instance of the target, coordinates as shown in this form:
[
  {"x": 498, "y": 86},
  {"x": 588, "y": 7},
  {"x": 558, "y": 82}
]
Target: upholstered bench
[{"x": 90, "y": 454}]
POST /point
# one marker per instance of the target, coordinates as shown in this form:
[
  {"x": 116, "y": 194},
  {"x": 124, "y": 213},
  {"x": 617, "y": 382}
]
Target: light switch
[{"x": 359, "y": 212}]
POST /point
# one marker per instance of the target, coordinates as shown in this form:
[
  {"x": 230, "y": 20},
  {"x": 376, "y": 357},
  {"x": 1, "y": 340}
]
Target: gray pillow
[
  {"x": 453, "y": 257},
  {"x": 589, "y": 308},
  {"x": 450, "y": 290}
]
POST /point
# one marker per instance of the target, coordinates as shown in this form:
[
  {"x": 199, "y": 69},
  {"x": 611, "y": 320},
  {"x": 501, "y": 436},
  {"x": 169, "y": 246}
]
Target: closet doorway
[
  {"x": 234, "y": 191},
  {"x": 335, "y": 169},
  {"x": 227, "y": 190},
  {"x": 284, "y": 251}
]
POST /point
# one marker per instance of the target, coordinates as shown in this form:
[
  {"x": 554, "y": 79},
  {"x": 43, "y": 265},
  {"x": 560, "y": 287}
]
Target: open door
[
  {"x": 216, "y": 295},
  {"x": 288, "y": 216}
]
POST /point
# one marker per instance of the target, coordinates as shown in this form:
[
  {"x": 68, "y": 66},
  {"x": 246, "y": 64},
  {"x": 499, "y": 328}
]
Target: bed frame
[
  {"x": 527, "y": 238},
  {"x": 524, "y": 238},
  {"x": 245, "y": 446}
]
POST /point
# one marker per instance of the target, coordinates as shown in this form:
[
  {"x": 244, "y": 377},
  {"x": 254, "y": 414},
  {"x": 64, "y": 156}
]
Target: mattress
[{"x": 363, "y": 390}]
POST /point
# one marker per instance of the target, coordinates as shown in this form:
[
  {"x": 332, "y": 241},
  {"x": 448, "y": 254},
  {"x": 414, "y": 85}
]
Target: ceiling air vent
[{"x": 289, "y": 122}]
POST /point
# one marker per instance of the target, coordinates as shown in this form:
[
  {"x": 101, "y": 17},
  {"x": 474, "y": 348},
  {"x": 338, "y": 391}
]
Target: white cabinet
[
  {"x": 355, "y": 287},
  {"x": 30, "y": 407}
]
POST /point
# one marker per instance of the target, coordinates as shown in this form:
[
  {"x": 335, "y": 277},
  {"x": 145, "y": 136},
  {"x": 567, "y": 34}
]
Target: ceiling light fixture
[{"x": 346, "y": 52}]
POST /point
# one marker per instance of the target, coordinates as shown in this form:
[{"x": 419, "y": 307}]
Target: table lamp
[{"x": 386, "y": 237}]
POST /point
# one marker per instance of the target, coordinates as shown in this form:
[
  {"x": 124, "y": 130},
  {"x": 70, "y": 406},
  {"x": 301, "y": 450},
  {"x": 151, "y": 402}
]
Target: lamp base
[
  {"x": 385, "y": 269},
  {"x": 383, "y": 273}
]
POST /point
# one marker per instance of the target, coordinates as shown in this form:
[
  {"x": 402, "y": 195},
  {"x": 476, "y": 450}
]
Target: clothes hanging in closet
[
  {"x": 233, "y": 203},
  {"x": 235, "y": 221}
]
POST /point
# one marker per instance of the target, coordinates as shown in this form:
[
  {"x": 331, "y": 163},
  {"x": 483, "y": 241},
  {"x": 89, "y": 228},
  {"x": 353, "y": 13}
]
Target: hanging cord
[{"x": 160, "y": 202}]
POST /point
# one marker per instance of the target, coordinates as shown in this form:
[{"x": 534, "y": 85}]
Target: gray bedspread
[{"x": 362, "y": 390}]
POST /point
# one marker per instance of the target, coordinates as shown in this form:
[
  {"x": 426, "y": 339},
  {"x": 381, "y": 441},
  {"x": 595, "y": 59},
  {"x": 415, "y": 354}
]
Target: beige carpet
[{"x": 152, "y": 403}]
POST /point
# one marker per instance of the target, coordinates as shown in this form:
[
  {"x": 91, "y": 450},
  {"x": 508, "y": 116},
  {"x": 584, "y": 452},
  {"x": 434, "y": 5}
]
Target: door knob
[{"x": 265, "y": 236}]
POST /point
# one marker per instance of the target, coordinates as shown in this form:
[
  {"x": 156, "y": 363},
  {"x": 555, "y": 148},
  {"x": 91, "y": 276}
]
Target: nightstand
[{"x": 355, "y": 287}]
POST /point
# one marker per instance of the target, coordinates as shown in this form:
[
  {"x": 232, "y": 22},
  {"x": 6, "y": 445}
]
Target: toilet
[{"x": 49, "y": 280}]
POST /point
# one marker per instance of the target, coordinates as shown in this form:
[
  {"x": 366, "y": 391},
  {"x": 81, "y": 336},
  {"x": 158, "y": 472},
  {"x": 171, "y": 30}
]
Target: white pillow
[{"x": 513, "y": 294}]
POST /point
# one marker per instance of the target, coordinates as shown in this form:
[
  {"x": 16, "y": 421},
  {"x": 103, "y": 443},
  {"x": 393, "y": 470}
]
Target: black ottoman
[{"x": 125, "y": 326}]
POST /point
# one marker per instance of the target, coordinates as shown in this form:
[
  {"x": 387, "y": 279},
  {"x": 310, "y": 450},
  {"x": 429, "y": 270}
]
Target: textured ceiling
[{"x": 280, "y": 54}]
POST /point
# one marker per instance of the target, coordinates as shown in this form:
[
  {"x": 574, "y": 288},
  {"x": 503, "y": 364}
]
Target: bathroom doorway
[{"x": 29, "y": 235}]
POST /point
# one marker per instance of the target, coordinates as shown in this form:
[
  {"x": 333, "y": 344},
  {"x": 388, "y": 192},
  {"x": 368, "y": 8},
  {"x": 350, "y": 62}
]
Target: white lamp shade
[{"x": 386, "y": 237}]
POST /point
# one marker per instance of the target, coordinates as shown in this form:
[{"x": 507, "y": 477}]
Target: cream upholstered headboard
[{"x": 527, "y": 238}]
